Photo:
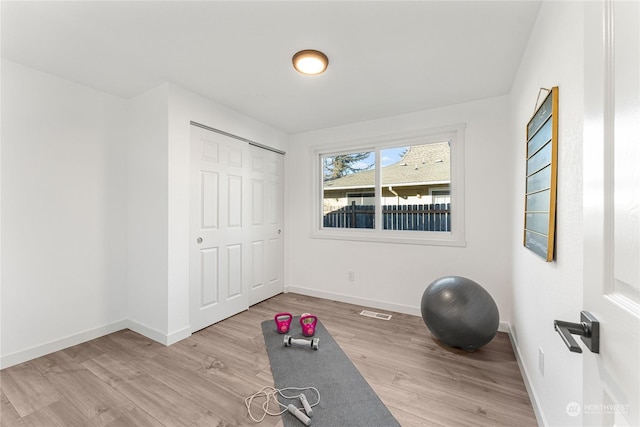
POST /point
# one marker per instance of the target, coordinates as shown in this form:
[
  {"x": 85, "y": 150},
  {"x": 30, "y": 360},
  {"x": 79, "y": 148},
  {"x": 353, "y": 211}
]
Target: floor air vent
[{"x": 375, "y": 315}]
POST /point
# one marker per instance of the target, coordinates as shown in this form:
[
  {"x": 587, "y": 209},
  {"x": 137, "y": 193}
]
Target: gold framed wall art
[{"x": 541, "y": 177}]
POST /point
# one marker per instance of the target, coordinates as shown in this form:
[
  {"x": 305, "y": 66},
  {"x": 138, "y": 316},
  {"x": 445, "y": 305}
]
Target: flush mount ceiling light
[{"x": 311, "y": 62}]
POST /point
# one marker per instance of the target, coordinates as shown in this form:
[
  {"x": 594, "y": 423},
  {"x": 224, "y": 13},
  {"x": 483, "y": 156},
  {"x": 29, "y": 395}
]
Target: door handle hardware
[
  {"x": 199, "y": 240},
  {"x": 588, "y": 329}
]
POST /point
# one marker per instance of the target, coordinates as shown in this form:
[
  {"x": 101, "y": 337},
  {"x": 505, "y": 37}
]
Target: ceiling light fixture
[{"x": 310, "y": 62}]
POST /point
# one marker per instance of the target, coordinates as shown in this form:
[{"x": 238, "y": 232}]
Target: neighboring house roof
[{"x": 421, "y": 164}]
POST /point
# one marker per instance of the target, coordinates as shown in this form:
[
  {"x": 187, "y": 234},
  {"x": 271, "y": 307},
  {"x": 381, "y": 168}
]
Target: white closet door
[
  {"x": 220, "y": 214},
  {"x": 266, "y": 224}
]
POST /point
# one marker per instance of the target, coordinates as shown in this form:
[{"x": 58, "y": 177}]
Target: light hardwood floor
[{"x": 124, "y": 379}]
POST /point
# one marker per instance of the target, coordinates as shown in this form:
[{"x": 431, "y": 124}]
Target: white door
[
  {"x": 219, "y": 208},
  {"x": 612, "y": 211},
  {"x": 266, "y": 225}
]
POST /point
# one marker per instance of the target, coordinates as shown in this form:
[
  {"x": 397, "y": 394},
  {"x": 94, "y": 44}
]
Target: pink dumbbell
[
  {"x": 308, "y": 323},
  {"x": 283, "y": 321}
]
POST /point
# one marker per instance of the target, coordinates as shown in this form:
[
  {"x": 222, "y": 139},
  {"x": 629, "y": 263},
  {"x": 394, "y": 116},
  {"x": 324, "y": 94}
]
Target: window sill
[{"x": 428, "y": 238}]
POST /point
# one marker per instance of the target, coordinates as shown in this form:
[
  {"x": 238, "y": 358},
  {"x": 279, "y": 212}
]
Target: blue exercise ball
[{"x": 459, "y": 312}]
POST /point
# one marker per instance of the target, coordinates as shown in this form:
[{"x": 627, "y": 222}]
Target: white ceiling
[{"x": 386, "y": 57}]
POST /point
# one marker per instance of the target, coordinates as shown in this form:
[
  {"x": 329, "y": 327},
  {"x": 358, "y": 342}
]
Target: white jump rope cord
[{"x": 271, "y": 394}]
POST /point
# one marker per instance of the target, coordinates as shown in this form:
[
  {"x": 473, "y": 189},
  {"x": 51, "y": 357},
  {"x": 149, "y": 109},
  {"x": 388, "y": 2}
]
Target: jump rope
[{"x": 271, "y": 394}]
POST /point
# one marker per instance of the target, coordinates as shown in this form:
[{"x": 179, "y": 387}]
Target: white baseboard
[
  {"x": 82, "y": 337},
  {"x": 380, "y": 305},
  {"x": 147, "y": 331},
  {"x": 156, "y": 335},
  {"x": 60, "y": 344},
  {"x": 535, "y": 402},
  {"x": 398, "y": 308},
  {"x": 504, "y": 327},
  {"x": 178, "y": 335}
]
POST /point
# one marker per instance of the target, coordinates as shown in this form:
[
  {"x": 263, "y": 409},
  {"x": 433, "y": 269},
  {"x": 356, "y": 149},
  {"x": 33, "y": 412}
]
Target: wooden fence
[{"x": 432, "y": 217}]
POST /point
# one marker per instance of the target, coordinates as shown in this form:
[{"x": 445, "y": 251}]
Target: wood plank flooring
[{"x": 124, "y": 379}]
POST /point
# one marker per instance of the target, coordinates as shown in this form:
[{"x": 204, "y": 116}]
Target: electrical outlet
[
  {"x": 541, "y": 361},
  {"x": 351, "y": 276}
]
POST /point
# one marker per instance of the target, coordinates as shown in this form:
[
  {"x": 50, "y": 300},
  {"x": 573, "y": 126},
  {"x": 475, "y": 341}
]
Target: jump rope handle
[
  {"x": 306, "y": 406},
  {"x": 299, "y": 415}
]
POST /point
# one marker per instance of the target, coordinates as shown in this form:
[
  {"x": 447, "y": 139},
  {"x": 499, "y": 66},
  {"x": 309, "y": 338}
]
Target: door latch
[{"x": 588, "y": 329}]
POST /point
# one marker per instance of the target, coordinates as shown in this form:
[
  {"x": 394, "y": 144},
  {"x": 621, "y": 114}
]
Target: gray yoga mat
[{"x": 346, "y": 399}]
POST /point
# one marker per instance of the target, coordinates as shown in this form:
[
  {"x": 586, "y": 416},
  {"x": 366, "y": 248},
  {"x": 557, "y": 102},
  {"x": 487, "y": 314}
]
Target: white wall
[
  {"x": 147, "y": 158},
  {"x": 545, "y": 291},
  {"x": 63, "y": 213},
  {"x": 394, "y": 276}
]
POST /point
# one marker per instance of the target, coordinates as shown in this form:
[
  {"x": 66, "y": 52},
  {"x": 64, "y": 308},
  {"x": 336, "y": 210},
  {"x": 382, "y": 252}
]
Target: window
[
  {"x": 348, "y": 196},
  {"x": 405, "y": 188},
  {"x": 440, "y": 196}
]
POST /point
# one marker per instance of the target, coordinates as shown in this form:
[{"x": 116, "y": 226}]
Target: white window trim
[{"x": 452, "y": 133}]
